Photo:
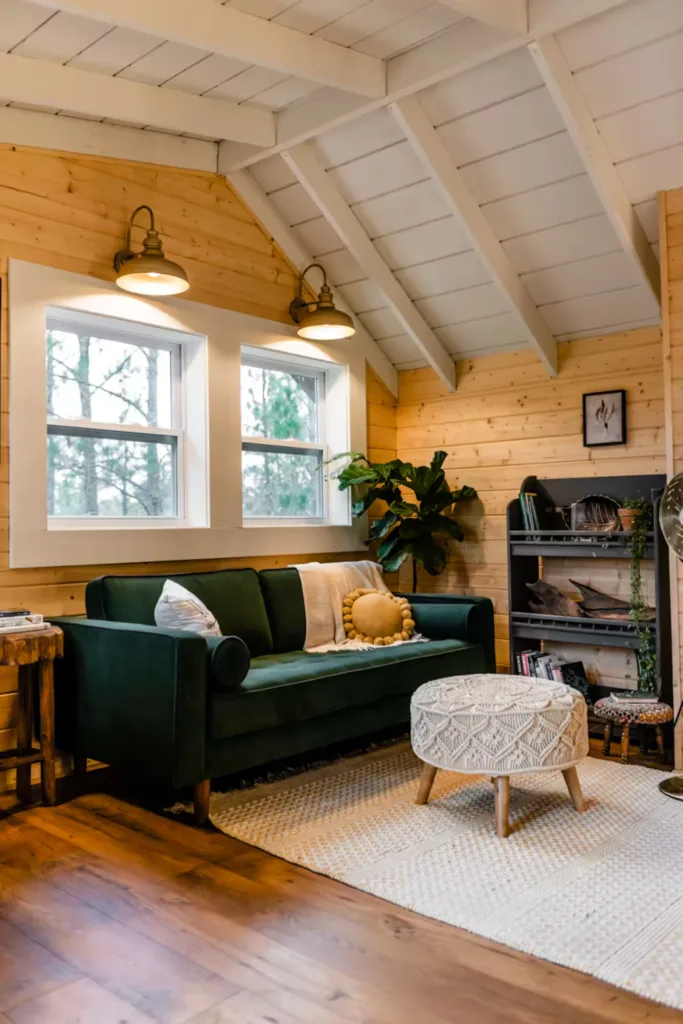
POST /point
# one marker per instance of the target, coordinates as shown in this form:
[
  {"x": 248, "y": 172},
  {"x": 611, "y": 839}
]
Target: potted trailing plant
[
  {"x": 407, "y": 528},
  {"x": 631, "y": 509},
  {"x": 640, "y": 613}
]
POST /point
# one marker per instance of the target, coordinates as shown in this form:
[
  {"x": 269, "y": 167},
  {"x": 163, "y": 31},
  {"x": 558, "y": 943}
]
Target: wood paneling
[
  {"x": 507, "y": 420},
  {"x": 71, "y": 212},
  {"x": 671, "y": 248}
]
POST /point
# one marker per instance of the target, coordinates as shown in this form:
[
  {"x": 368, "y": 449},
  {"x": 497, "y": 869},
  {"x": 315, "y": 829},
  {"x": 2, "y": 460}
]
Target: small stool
[
  {"x": 498, "y": 726},
  {"x": 628, "y": 713},
  {"x": 28, "y": 651}
]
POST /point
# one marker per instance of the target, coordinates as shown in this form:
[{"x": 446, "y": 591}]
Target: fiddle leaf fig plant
[{"x": 408, "y": 527}]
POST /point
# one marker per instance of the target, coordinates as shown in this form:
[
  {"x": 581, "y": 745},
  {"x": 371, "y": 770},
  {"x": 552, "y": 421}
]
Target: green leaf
[
  {"x": 442, "y": 524},
  {"x": 411, "y": 528},
  {"x": 404, "y": 508},
  {"x": 438, "y": 460},
  {"x": 388, "y": 546},
  {"x": 394, "y": 562},
  {"x": 465, "y": 493},
  {"x": 380, "y": 528}
]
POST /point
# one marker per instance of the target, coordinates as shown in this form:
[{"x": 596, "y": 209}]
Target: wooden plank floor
[{"x": 111, "y": 914}]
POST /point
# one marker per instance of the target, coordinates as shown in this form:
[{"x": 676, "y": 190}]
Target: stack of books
[
  {"x": 536, "y": 663},
  {"x": 635, "y": 697},
  {"x": 21, "y": 622},
  {"x": 527, "y": 504}
]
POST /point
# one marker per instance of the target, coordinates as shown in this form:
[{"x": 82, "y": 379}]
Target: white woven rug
[{"x": 601, "y": 892}]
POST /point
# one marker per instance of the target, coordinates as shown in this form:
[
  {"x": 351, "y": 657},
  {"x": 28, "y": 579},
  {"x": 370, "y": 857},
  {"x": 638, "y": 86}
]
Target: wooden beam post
[
  {"x": 303, "y": 161},
  {"x": 437, "y": 160}
]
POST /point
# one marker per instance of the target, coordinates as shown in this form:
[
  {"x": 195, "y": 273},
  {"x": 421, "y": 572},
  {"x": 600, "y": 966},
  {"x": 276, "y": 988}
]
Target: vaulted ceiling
[{"x": 475, "y": 175}]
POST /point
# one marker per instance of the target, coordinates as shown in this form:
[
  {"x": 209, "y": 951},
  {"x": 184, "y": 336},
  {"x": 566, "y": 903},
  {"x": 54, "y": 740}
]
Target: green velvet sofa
[{"x": 174, "y": 708}]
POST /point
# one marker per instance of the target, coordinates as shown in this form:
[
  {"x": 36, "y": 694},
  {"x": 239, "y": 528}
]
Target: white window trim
[
  {"x": 150, "y": 337},
  {"x": 333, "y": 434},
  {"x": 214, "y": 528}
]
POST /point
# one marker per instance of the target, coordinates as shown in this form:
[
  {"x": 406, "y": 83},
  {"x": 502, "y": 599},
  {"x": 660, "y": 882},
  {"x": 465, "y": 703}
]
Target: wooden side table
[{"x": 28, "y": 651}]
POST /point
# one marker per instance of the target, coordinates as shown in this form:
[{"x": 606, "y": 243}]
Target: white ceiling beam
[
  {"x": 579, "y": 122},
  {"x": 48, "y": 84},
  {"x": 90, "y": 138},
  {"x": 215, "y": 28},
  {"x": 465, "y": 46},
  {"x": 325, "y": 194},
  {"x": 508, "y": 15},
  {"x": 282, "y": 234},
  {"x": 425, "y": 141}
]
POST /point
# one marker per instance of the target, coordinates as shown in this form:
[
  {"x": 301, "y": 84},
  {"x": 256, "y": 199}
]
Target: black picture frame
[{"x": 615, "y": 428}]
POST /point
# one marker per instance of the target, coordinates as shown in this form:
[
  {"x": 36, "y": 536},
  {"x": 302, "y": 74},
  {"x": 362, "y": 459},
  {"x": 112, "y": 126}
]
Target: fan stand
[{"x": 673, "y": 786}]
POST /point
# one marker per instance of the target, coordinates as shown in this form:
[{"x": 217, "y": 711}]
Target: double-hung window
[
  {"x": 283, "y": 408},
  {"x": 114, "y": 437}
]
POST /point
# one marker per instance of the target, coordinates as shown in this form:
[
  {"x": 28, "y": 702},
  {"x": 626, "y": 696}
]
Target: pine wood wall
[
  {"x": 507, "y": 420},
  {"x": 70, "y": 212},
  {"x": 671, "y": 257}
]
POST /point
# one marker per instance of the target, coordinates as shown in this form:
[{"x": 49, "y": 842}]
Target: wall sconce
[
  {"x": 320, "y": 320},
  {"x": 148, "y": 272}
]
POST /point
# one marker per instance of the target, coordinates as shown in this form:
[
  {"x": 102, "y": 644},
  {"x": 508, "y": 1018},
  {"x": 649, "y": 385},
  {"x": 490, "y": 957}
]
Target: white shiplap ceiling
[{"x": 498, "y": 124}]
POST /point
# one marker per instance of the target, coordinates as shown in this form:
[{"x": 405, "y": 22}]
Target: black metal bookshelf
[{"x": 527, "y": 547}]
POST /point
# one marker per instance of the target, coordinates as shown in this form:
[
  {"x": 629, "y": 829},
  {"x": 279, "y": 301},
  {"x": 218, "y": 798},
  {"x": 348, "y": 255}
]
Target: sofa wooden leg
[{"x": 202, "y": 793}]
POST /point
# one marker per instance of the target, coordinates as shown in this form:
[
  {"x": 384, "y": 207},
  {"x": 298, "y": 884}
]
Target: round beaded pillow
[{"x": 376, "y": 617}]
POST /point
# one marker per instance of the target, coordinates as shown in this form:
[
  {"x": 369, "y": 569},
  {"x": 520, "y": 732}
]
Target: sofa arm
[
  {"x": 454, "y": 617},
  {"x": 134, "y": 697}
]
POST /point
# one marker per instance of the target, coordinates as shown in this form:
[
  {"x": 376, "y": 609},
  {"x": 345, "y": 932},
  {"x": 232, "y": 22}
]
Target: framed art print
[{"x": 604, "y": 418}]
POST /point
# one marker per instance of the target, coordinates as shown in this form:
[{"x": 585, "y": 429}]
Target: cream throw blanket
[{"x": 325, "y": 585}]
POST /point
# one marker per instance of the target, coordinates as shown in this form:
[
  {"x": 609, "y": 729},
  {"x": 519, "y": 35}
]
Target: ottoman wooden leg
[
  {"x": 625, "y": 737},
  {"x": 426, "y": 783},
  {"x": 608, "y": 739},
  {"x": 660, "y": 739},
  {"x": 571, "y": 777},
  {"x": 501, "y": 788}
]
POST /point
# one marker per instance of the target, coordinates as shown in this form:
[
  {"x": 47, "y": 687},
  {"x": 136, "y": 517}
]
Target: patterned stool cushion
[
  {"x": 498, "y": 725},
  {"x": 632, "y": 711}
]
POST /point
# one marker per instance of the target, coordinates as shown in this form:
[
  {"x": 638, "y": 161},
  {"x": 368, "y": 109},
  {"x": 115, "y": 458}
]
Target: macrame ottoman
[{"x": 499, "y": 726}]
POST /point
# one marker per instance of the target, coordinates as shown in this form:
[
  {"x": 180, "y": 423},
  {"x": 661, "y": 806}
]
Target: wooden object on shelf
[
  {"x": 552, "y": 601},
  {"x": 598, "y": 605},
  {"x": 33, "y": 654}
]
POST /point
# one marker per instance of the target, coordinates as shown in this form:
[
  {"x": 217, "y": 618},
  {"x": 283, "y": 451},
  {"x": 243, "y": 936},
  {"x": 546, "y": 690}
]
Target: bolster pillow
[
  {"x": 446, "y": 621},
  {"x": 228, "y": 661}
]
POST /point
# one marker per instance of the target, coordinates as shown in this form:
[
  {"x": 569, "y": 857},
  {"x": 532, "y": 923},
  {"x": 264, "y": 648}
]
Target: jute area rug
[{"x": 601, "y": 892}]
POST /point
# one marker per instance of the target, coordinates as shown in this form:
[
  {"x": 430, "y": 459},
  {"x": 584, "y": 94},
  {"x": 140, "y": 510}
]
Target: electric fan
[{"x": 671, "y": 522}]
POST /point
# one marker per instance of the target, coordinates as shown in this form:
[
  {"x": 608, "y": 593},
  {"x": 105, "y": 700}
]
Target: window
[
  {"x": 283, "y": 437},
  {"x": 114, "y": 442}
]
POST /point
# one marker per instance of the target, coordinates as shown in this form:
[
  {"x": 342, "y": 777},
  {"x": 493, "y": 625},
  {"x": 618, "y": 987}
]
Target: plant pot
[{"x": 627, "y": 517}]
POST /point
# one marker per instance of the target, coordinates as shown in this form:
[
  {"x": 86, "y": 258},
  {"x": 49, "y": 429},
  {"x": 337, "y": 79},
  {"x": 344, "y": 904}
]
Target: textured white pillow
[{"x": 178, "y": 608}]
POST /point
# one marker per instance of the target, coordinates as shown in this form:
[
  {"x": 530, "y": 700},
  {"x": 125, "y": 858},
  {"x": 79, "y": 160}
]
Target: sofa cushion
[
  {"x": 294, "y": 687},
  {"x": 228, "y": 661},
  {"x": 233, "y": 595},
  {"x": 284, "y": 599}
]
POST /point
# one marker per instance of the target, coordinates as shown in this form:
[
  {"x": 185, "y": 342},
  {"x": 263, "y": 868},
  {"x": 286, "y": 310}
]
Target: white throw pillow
[{"x": 178, "y": 608}]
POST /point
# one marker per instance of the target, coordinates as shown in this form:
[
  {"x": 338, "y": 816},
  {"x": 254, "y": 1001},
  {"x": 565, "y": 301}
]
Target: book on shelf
[
  {"x": 529, "y": 512},
  {"x": 550, "y": 666}
]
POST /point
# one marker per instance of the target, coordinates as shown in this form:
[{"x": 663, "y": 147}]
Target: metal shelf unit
[{"x": 526, "y": 549}]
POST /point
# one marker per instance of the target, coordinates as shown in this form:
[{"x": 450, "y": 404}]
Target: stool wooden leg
[
  {"x": 426, "y": 783},
  {"x": 644, "y": 745},
  {"x": 501, "y": 788},
  {"x": 608, "y": 739},
  {"x": 660, "y": 739},
  {"x": 625, "y": 737},
  {"x": 571, "y": 777},
  {"x": 24, "y": 731},
  {"x": 47, "y": 729}
]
